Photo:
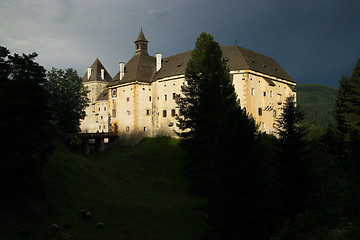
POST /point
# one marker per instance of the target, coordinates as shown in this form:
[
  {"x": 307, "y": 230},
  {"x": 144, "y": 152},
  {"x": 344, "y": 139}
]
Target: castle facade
[{"x": 139, "y": 101}]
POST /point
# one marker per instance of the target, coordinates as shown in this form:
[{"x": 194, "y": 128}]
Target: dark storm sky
[{"x": 315, "y": 41}]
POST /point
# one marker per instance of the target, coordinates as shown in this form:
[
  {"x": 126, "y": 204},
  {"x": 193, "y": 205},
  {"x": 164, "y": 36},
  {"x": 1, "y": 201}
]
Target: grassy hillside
[
  {"x": 137, "y": 192},
  {"x": 317, "y": 102}
]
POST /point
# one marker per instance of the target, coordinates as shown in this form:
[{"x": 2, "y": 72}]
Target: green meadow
[{"x": 137, "y": 192}]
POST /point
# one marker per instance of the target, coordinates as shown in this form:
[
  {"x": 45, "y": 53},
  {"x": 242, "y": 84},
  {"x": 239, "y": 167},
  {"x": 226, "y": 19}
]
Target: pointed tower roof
[
  {"x": 141, "y": 37},
  {"x": 96, "y": 73}
]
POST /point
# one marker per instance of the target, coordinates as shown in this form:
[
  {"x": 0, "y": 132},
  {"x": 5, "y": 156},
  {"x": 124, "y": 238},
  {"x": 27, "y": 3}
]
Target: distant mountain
[{"x": 318, "y": 103}]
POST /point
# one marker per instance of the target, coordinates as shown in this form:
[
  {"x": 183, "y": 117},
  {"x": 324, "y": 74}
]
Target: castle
[{"x": 140, "y": 100}]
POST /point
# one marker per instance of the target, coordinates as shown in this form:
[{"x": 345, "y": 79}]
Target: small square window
[
  {"x": 148, "y": 112},
  {"x": 128, "y": 112}
]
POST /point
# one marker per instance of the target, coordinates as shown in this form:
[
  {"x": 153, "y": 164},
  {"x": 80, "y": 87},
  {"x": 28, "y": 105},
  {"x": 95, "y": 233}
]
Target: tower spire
[{"x": 141, "y": 43}]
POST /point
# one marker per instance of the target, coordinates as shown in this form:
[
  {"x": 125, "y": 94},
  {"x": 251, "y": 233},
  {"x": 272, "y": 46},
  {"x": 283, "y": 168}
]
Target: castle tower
[
  {"x": 95, "y": 80},
  {"x": 141, "y": 43}
]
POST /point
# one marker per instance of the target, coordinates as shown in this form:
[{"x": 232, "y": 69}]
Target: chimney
[
  {"x": 89, "y": 73},
  {"x": 122, "y": 70},
  {"x": 102, "y": 74},
  {"x": 158, "y": 61}
]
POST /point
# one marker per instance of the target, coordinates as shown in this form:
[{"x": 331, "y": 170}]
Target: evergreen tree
[
  {"x": 68, "y": 99},
  {"x": 207, "y": 94},
  {"x": 347, "y": 111},
  {"x": 239, "y": 203},
  {"x": 223, "y": 149},
  {"x": 25, "y": 143},
  {"x": 293, "y": 161}
]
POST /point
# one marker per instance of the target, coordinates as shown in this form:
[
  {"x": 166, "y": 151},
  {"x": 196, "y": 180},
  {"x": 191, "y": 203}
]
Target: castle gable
[
  {"x": 97, "y": 73},
  {"x": 140, "y": 68}
]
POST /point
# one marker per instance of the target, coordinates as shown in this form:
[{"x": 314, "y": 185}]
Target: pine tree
[
  {"x": 293, "y": 162},
  {"x": 238, "y": 203},
  {"x": 347, "y": 111},
  {"x": 207, "y": 94}
]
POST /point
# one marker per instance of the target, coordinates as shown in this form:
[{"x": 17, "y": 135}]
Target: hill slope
[
  {"x": 137, "y": 192},
  {"x": 318, "y": 103}
]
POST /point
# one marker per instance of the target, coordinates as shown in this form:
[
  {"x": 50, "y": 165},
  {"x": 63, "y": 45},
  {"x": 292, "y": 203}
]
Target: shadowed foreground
[{"x": 138, "y": 193}]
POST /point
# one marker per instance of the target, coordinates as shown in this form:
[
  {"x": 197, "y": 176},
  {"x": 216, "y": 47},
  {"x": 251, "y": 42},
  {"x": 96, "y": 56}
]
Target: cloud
[{"x": 302, "y": 36}]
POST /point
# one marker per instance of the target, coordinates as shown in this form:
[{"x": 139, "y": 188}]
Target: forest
[{"x": 300, "y": 183}]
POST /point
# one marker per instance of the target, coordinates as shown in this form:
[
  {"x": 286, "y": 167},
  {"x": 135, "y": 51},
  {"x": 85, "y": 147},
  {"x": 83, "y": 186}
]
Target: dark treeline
[
  {"x": 32, "y": 103},
  {"x": 296, "y": 185}
]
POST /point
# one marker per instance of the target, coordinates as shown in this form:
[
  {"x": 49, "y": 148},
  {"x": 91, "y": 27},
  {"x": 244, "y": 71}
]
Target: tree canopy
[
  {"x": 25, "y": 141},
  {"x": 68, "y": 99}
]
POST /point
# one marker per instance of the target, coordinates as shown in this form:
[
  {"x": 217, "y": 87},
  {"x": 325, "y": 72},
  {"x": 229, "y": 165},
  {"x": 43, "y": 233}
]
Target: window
[
  {"x": 164, "y": 113},
  {"x": 149, "y": 98},
  {"x": 165, "y": 97},
  {"x": 171, "y": 124},
  {"x": 274, "y": 113},
  {"x": 101, "y": 117},
  {"x": 128, "y": 112},
  {"x": 128, "y": 99},
  {"x": 260, "y": 111},
  {"x": 264, "y": 93},
  {"x": 174, "y": 95},
  {"x": 127, "y": 129},
  {"x": 113, "y": 92},
  {"x": 263, "y": 124},
  {"x": 114, "y": 113},
  {"x": 271, "y": 93},
  {"x": 104, "y": 108},
  {"x": 145, "y": 129},
  {"x": 173, "y": 112},
  {"x": 252, "y": 91},
  {"x": 148, "y": 112}
]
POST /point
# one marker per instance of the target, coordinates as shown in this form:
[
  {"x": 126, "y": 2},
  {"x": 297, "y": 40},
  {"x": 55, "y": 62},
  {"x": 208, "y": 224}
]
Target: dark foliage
[
  {"x": 68, "y": 99},
  {"x": 293, "y": 163},
  {"x": 207, "y": 93},
  {"x": 225, "y": 160},
  {"x": 332, "y": 212},
  {"x": 348, "y": 102},
  {"x": 25, "y": 142}
]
